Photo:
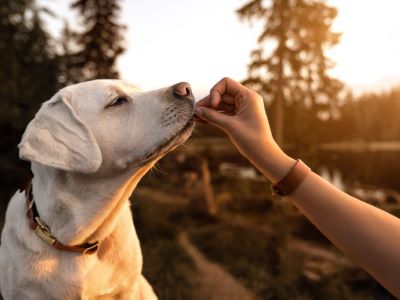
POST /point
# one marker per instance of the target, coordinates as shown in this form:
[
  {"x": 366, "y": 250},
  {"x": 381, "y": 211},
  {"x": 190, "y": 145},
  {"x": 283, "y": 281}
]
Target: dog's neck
[{"x": 80, "y": 208}]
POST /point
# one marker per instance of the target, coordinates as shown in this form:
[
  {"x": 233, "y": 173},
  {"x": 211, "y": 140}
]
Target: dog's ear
[{"x": 58, "y": 138}]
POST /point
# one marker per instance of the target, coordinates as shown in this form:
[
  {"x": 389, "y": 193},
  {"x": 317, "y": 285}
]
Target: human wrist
[{"x": 273, "y": 162}]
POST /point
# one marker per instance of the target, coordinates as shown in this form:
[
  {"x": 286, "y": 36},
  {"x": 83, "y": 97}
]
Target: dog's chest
[
  {"x": 111, "y": 272},
  {"x": 94, "y": 277},
  {"x": 45, "y": 273}
]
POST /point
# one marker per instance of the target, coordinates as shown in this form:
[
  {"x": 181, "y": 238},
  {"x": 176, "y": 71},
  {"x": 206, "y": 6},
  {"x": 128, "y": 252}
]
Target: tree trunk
[
  {"x": 208, "y": 191},
  {"x": 201, "y": 192},
  {"x": 279, "y": 117},
  {"x": 280, "y": 97},
  {"x": 279, "y": 112}
]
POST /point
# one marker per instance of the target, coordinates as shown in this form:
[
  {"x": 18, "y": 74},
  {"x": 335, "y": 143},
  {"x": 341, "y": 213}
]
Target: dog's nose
[{"x": 182, "y": 89}]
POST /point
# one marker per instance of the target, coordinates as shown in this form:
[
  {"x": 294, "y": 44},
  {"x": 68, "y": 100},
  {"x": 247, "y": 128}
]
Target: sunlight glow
[
  {"x": 202, "y": 41},
  {"x": 368, "y": 56}
]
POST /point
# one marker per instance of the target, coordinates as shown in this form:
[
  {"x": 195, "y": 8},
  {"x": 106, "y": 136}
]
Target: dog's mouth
[{"x": 177, "y": 139}]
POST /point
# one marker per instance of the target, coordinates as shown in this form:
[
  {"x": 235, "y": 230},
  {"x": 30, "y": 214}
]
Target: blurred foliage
[
  {"x": 92, "y": 52},
  {"x": 165, "y": 264},
  {"x": 294, "y": 73},
  {"x": 34, "y": 66},
  {"x": 29, "y": 69},
  {"x": 369, "y": 117},
  {"x": 254, "y": 236},
  {"x": 28, "y": 76},
  {"x": 266, "y": 265}
]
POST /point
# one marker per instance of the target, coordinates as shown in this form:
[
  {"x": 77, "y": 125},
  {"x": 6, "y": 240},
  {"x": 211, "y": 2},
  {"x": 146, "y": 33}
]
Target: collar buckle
[{"x": 43, "y": 231}]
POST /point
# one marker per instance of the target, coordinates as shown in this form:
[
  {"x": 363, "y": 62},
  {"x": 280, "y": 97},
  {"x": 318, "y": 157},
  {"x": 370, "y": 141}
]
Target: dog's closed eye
[{"x": 120, "y": 100}]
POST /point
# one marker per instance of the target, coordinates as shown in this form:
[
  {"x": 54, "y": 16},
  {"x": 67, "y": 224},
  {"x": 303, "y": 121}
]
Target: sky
[{"x": 201, "y": 41}]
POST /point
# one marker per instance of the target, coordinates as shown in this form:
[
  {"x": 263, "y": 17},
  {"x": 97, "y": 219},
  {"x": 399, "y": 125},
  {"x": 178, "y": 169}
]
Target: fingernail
[{"x": 198, "y": 111}]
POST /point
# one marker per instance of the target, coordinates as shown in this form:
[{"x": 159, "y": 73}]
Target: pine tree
[
  {"x": 100, "y": 43},
  {"x": 28, "y": 76},
  {"x": 294, "y": 74},
  {"x": 28, "y": 62},
  {"x": 69, "y": 73}
]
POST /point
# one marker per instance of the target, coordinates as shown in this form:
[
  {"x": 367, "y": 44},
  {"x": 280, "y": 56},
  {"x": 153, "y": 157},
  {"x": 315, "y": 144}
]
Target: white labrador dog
[{"x": 89, "y": 146}]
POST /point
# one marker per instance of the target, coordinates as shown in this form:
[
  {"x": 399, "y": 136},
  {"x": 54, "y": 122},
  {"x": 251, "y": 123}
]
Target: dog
[{"x": 70, "y": 235}]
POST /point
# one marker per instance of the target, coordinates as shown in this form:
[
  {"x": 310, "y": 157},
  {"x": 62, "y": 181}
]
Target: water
[{"x": 378, "y": 169}]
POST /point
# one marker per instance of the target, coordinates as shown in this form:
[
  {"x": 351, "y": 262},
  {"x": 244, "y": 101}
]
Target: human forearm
[
  {"x": 270, "y": 160},
  {"x": 365, "y": 233}
]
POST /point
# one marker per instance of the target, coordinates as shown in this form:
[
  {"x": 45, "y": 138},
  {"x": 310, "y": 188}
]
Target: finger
[
  {"x": 228, "y": 99},
  {"x": 225, "y": 86},
  {"x": 200, "y": 120},
  {"x": 227, "y": 113},
  {"x": 226, "y": 107},
  {"x": 204, "y": 102},
  {"x": 214, "y": 117},
  {"x": 207, "y": 103}
]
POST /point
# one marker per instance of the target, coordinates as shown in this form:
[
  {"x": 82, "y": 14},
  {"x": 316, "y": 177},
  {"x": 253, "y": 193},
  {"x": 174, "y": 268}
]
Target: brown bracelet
[{"x": 292, "y": 180}]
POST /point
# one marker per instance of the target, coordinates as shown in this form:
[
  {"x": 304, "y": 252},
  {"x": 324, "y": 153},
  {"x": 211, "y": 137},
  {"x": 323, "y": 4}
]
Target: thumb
[{"x": 213, "y": 117}]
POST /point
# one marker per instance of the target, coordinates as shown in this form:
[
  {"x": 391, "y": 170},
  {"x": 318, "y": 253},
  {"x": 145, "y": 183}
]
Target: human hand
[{"x": 240, "y": 112}]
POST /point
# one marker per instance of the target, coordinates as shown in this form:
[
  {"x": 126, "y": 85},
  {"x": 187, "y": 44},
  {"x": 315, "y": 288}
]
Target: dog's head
[{"x": 108, "y": 125}]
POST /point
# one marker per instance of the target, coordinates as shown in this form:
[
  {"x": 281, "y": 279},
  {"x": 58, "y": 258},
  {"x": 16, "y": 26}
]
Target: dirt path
[{"x": 213, "y": 282}]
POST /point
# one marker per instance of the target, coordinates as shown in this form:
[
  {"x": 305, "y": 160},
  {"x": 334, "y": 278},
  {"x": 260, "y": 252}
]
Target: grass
[
  {"x": 165, "y": 265},
  {"x": 234, "y": 248},
  {"x": 262, "y": 259},
  {"x": 265, "y": 264}
]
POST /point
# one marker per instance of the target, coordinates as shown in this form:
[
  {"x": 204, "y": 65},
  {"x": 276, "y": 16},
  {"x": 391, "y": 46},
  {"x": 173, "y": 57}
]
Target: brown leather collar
[{"x": 44, "y": 232}]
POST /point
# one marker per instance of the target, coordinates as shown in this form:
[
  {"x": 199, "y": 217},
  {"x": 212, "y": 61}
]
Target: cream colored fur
[{"x": 87, "y": 157}]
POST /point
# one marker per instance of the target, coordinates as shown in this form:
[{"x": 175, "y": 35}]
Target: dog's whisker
[{"x": 157, "y": 169}]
